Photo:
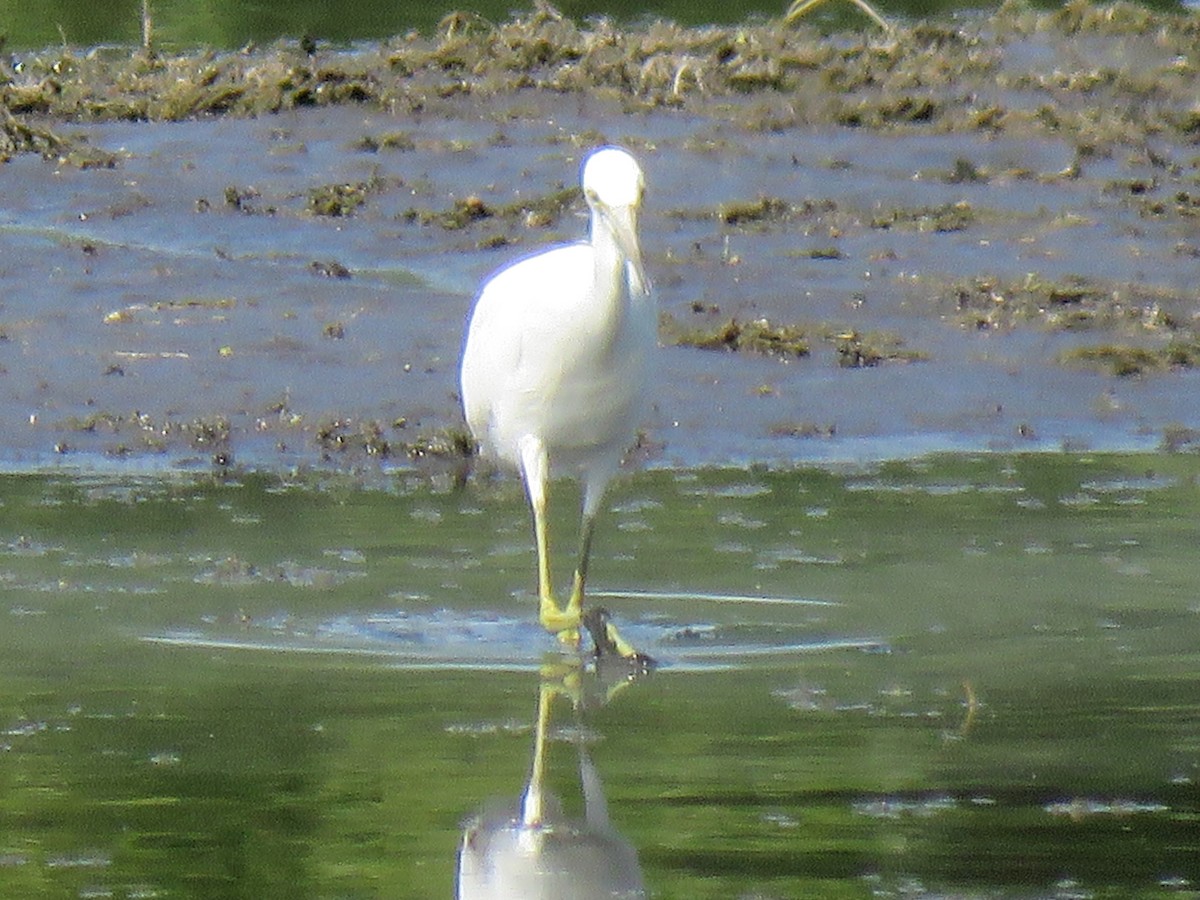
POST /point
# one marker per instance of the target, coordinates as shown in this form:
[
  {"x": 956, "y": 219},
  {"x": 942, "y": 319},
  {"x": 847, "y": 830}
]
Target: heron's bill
[{"x": 623, "y": 220}]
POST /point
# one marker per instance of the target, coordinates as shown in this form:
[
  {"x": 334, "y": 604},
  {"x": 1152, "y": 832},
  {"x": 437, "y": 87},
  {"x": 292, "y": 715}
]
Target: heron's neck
[{"x": 611, "y": 272}]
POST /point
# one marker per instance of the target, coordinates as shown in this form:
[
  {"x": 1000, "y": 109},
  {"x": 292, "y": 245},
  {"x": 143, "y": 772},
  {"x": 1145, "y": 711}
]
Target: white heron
[{"x": 555, "y": 371}]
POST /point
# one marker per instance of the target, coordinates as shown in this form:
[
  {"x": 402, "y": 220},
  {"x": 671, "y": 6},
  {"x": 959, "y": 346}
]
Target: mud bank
[{"x": 962, "y": 235}]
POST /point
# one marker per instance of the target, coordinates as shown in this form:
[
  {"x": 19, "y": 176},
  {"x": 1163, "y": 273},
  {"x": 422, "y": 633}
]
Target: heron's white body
[
  {"x": 554, "y": 371},
  {"x": 583, "y": 401}
]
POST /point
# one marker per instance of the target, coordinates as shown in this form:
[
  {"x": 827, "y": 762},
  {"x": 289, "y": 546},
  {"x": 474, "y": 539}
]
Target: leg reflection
[{"x": 535, "y": 851}]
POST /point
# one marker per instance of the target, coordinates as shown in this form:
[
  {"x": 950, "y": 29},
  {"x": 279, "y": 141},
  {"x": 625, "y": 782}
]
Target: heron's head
[
  {"x": 612, "y": 177},
  {"x": 613, "y": 185}
]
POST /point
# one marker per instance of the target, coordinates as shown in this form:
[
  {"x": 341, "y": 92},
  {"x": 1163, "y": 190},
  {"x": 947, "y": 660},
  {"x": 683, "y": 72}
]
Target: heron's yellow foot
[
  {"x": 565, "y": 622},
  {"x": 558, "y": 621}
]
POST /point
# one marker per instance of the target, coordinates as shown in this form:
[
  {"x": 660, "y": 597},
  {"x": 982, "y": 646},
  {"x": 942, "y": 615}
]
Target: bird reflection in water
[{"x": 531, "y": 850}]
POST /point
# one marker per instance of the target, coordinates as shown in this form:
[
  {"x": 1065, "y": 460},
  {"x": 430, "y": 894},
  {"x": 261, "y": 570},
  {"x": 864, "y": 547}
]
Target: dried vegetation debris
[
  {"x": 399, "y": 141},
  {"x": 1073, "y": 302},
  {"x": 1146, "y": 329},
  {"x": 538, "y": 211},
  {"x": 761, "y": 336},
  {"x": 338, "y": 199},
  {"x": 345, "y": 438},
  {"x": 756, "y": 336},
  {"x": 942, "y": 75},
  {"x": 857, "y": 350},
  {"x": 341, "y": 198},
  {"x": 17, "y": 136},
  {"x": 1124, "y": 360},
  {"x": 142, "y": 432}
]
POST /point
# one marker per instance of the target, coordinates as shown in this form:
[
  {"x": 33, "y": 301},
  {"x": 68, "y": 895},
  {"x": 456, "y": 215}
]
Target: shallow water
[{"x": 965, "y": 676}]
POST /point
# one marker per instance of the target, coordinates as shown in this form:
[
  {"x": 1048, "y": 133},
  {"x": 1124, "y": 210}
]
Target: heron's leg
[
  {"x": 535, "y": 468},
  {"x": 586, "y": 528},
  {"x": 604, "y": 633},
  {"x": 595, "y": 483}
]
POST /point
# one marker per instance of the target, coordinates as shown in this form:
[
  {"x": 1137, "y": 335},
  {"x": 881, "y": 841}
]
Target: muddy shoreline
[{"x": 965, "y": 235}]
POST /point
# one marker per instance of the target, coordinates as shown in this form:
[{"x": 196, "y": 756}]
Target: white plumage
[{"x": 554, "y": 370}]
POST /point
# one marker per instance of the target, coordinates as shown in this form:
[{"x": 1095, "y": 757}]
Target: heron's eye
[{"x": 592, "y": 196}]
